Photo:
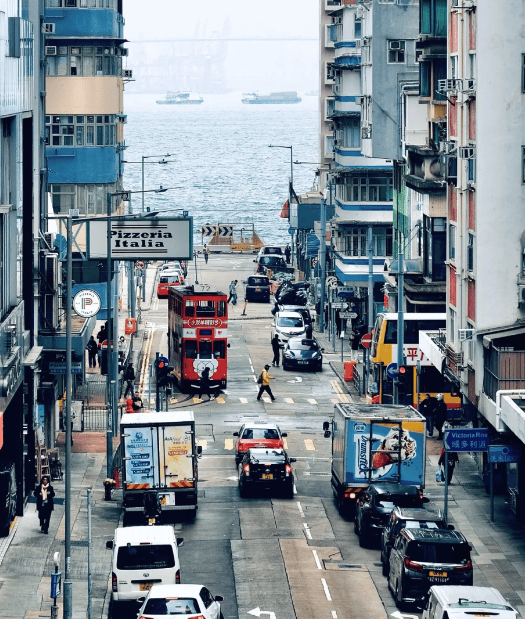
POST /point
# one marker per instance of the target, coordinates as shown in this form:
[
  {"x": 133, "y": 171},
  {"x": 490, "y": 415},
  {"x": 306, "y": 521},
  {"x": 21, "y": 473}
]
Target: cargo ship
[
  {"x": 272, "y": 98},
  {"x": 180, "y": 98}
]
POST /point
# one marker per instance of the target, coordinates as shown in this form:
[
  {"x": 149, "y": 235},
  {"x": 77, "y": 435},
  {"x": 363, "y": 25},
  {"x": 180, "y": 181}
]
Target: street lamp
[
  {"x": 290, "y": 187},
  {"x": 143, "y": 162}
]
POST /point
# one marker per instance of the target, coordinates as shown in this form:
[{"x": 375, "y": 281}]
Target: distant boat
[
  {"x": 272, "y": 98},
  {"x": 180, "y": 98},
  {"x": 312, "y": 93}
]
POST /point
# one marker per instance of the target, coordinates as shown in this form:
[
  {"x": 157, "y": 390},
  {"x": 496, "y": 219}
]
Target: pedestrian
[
  {"x": 337, "y": 322},
  {"x": 206, "y": 252},
  {"x": 287, "y": 253},
  {"x": 92, "y": 348},
  {"x": 427, "y": 408},
  {"x": 233, "y": 292},
  {"x": 44, "y": 502},
  {"x": 205, "y": 383},
  {"x": 453, "y": 459},
  {"x": 276, "y": 347},
  {"x": 129, "y": 377},
  {"x": 440, "y": 414},
  {"x": 137, "y": 403},
  {"x": 265, "y": 383},
  {"x": 102, "y": 335}
]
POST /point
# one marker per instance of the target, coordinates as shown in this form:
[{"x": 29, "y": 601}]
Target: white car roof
[
  {"x": 450, "y": 594},
  {"x": 145, "y": 534},
  {"x": 287, "y": 314},
  {"x": 161, "y": 591}
]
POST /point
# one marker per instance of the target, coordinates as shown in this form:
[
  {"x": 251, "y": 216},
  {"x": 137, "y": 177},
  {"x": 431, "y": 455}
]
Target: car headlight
[{"x": 288, "y": 354}]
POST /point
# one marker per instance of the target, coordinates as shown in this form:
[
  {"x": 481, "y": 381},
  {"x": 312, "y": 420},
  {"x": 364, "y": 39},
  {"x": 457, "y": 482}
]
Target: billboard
[{"x": 142, "y": 238}]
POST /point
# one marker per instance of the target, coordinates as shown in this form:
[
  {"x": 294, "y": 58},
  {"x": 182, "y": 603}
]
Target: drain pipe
[{"x": 499, "y": 394}]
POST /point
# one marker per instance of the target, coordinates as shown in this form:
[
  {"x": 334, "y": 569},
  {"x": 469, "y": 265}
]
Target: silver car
[{"x": 287, "y": 325}]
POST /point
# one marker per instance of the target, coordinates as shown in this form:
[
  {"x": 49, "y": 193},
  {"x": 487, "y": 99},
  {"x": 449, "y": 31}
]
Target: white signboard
[
  {"x": 146, "y": 238},
  {"x": 412, "y": 354},
  {"x": 86, "y": 303}
]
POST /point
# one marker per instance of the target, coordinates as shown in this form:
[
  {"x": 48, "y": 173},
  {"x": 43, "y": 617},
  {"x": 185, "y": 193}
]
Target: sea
[{"x": 221, "y": 169}]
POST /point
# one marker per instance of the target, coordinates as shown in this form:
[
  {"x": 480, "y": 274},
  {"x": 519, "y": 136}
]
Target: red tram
[{"x": 198, "y": 335}]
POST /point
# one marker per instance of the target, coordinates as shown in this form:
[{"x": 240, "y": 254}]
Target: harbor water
[{"x": 221, "y": 166}]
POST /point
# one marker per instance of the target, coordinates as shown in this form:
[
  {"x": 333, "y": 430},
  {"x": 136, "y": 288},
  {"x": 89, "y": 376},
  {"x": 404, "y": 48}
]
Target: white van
[
  {"x": 451, "y": 602},
  {"x": 142, "y": 557}
]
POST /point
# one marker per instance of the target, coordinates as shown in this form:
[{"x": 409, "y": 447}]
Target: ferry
[
  {"x": 272, "y": 98},
  {"x": 180, "y": 98}
]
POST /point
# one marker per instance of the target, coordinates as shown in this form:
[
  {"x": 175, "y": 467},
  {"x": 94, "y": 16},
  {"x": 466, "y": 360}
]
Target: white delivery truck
[{"x": 160, "y": 454}]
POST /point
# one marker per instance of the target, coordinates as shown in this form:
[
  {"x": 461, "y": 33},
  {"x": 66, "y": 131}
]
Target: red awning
[{"x": 285, "y": 211}]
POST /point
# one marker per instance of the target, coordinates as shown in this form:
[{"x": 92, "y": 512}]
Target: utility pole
[
  {"x": 370, "y": 300},
  {"x": 400, "y": 319}
]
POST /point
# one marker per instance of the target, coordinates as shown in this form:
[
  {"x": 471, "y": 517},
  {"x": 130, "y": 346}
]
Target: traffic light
[
  {"x": 403, "y": 379},
  {"x": 164, "y": 370}
]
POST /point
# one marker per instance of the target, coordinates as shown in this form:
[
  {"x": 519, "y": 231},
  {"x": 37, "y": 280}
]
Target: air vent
[
  {"x": 50, "y": 50},
  {"x": 48, "y": 28},
  {"x": 465, "y": 334}
]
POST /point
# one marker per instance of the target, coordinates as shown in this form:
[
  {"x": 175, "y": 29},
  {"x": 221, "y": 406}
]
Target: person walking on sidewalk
[
  {"x": 44, "y": 502},
  {"x": 453, "y": 459},
  {"x": 440, "y": 415},
  {"x": 206, "y": 252},
  {"x": 92, "y": 348},
  {"x": 129, "y": 377},
  {"x": 233, "y": 292},
  {"x": 265, "y": 384},
  {"x": 287, "y": 253},
  {"x": 276, "y": 350},
  {"x": 427, "y": 408}
]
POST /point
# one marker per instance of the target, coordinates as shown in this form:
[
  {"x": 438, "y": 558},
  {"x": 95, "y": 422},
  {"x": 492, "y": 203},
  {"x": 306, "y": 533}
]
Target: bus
[
  {"x": 198, "y": 336},
  {"x": 383, "y": 353}
]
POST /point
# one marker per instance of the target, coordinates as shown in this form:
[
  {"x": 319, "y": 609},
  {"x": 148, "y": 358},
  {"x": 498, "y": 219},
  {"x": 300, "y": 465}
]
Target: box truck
[
  {"x": 160, "y": 454},
  {"x": 374, "y": 443}
]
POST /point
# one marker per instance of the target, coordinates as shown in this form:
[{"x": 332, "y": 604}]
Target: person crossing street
[
  {"x": 265, "y": 384},
  {"x": 276, "y": 350}
]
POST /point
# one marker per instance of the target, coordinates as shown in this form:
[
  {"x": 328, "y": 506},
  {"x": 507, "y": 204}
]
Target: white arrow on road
[
  {"x": 297, "y": 379},
  {"x": 258, "y": 612},
  {"x": 399, "y": 615}
]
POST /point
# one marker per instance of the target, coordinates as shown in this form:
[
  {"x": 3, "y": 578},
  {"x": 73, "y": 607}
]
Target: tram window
[
  {"x": 190, "y": 349},
  {"x": 221, "y": 308},
  {"x": 204, "y": 350},
  {"x": 190, "y": 308},
  {"x": 219, "y": 349},
  {"x": 205, "y": 308}
]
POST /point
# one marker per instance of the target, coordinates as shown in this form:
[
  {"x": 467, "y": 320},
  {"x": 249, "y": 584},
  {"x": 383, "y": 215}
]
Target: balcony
[
  {"x": 424, "y": 170},
  {"x": 85, "y": 23},
  {"x": 504, "y": 369}
]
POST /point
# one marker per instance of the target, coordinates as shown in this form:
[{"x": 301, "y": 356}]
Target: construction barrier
[{"x": 349, "y": 371}]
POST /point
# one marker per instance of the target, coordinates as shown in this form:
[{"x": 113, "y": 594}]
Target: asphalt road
[{"x": 297, "y": 558}]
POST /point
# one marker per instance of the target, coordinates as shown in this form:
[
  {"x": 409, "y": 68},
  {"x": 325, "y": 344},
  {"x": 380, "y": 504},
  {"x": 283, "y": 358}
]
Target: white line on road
[
  {"x": 294, "y": 489},
  {"x": 334, "y": 614},
  {"x": 307, "y": 530},
  {"x": 300, "y": 509},
  {"x": 326, "y": 590},
  {"x": 319, "y": 566}
]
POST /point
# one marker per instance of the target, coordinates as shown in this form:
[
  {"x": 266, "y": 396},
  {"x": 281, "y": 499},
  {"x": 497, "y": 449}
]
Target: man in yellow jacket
[{"x": 265, "y": 385}]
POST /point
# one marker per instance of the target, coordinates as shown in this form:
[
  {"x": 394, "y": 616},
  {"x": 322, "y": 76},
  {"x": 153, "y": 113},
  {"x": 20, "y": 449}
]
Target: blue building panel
[
  {"x": 82, "y": 165},
  {"x": 348, "y": 61},
  {"x": 103, "y": 23},
  {"x": 365, "y": 206},
  {"x": 354, "y": 278}
]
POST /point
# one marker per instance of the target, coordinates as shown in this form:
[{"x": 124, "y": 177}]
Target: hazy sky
[{"x": 154, "y": 19}]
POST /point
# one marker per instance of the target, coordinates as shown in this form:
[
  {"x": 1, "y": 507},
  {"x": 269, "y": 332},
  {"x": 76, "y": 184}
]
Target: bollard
[{"x": 349, "y": 371}]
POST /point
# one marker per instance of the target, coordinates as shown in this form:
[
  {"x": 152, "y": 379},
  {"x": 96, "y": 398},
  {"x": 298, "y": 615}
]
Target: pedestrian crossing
[{"x": 340, "y": 398}]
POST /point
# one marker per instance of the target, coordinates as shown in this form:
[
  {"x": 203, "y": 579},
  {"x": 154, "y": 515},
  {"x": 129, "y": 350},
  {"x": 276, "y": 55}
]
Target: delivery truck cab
[{"x": 142, "y": 557}]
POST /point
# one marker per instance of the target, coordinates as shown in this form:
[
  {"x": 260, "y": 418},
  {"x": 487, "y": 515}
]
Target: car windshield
[
  {"x": 303, "y": 345},
  {"x": 272, "y": 250},
  {"x": 267, "y": 455},
  {"x": 272, "y": 261},
  {"x": 145, "y": 557},
  {"x": 390, "y": 501},
  {"x": 289, "y": 321},
  {"x": 417, "y": 524},
  {"x": 438, "y": 553},
  {"x": 260, "y": 433},
  {"x": 257, "y": 281},
  {"x": 172, "y": 606}
]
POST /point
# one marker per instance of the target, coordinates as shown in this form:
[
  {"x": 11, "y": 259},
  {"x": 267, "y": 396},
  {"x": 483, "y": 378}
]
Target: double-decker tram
[{"x": 198, "y": 336}]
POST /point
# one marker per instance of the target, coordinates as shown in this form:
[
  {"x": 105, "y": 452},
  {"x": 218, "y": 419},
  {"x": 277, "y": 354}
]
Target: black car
[
  {"x": 8, "y": 494},
  {"x": 421, "y": 558},
  {"x": 257, "y": 288},
  {"x": 376, "y": 504},
  {"x": 274, "y": 263},
  {"x": 263, "y": 467},
  {"x": 302, "y": 353},
  {"x": 410, "y": 518}
]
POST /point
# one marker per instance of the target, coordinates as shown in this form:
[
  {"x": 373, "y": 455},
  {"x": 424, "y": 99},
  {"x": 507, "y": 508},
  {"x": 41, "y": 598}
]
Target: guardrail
[{"x": 358, "y": 380}]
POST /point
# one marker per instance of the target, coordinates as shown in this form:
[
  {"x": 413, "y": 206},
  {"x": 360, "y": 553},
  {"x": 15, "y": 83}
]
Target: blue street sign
[
  {"x": 291, "y": 230},
  {"x": 505, "y": 453},
  {"x": 467, "y": 439},
  {"x": 391, "y": 370},
  {"x": 185, "y": 213}
]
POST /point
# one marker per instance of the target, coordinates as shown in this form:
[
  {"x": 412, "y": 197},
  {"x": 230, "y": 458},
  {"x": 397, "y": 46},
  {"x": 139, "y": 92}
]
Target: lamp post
[{"x": 290, "y": 186}]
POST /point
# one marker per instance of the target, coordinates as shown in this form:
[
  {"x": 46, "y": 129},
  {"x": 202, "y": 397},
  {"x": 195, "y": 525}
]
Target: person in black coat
[
  {"x": 44, "y": 502},
  {"x": 205, "y": 387},
  {"x": 276, "y": 350}
]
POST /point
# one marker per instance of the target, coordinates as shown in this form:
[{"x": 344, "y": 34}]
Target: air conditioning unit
[
  {"x": 467, "y": 152},
  {"x": 394, "y": 45},
  {"x": 337, "y": 20},
  {"x": 447, "y": 147},
  {"x": 122, "y": 119},
  {"x": 359, "y": 100},
  {"x": 331, "y": 127},
  {"x": 366, "y": 132},
  {"x": 466, "y": 334},
  {"x": 360, "y": 12},
  {"x": 127, "y": 74},
  {"x": 48, "y": 28},
  {"x": 521, "y": 296},
  {"x": 50, "y": 50},
  {"x": 468, "y": 85},
  {"x": 449, "y": 167},
  {"x": 336, "y": 88},
  {"x": 49, "y": 238},
  {"x": 449, "y": 85},
  {"x": 124, "y": 51},
  {"x": 365, "y": 42},
  {"x": 9, "y": 339}
]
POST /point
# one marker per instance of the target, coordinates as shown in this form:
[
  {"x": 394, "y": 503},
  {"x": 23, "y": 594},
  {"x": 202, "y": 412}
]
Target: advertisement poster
[
  {"x": 176, "y": 458},
  {"x": 381, "y": 454},
  {"x": 142, "y": 461}
]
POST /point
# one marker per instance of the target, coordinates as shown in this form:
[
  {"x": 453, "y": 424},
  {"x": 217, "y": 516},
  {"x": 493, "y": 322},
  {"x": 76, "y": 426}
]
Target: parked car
[
  {"x": 257, "y": 434},
  {"x": 305, "y": 313},
  {"x": 421, "y": 558},
  {"x": 302, "y": 353},
  {"x": 167, "y": 279},
  {"x": 375, "y": 506},
  {"x": 8, "y": 495},
  {"x": 287, "y": 325},
  {"x": 266, "y": 468},
  {"x": 273, "y": 262},
  {"x": 180, "y": 601},
  {"x": 409, "y": 518},
  {"x": 270, "y": 250},
  {"x": 467, "y": 602},
  {"x": 257, "y": 288},
  {"x": 169, "y": 266}
]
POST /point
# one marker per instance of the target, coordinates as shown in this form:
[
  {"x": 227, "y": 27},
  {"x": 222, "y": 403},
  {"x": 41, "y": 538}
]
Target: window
[
  {"x": 82, "y": 4},
  {"x": 396, "y": 52},
  {"x": 523, "y": 164},
  {"x": 356, "y": 241},
  {"x": 351, "y": 131},
  {"x": 219, "y": 349},
  {"x": 433, "y": 17},
  {"x": 81, "y": 130},
  {"x": 89, "y": 199},
  {"x": 85, "y": 61},
  {"x": 190, "y": 349},
  {"x": 470, "y": 252},
  {"x": 330, "y": 107},
  {"x": 357, "y": 188},
  {"x": 452, "y": 317},
  {"x": 425, "y": 79},
  {"x": 358, "y": 28},
  {"x": 451, "y": 242}
]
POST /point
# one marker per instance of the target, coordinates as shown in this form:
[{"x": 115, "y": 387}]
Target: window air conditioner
[
  {"x": 366, "y": 132},
  {"x": 468, "y": 85},
  {"x": 465, "y": 334},
  {"x": 122, "y": 119},
  {"x": 50, "y": 50},
  {"x": 467, "y": 152},
  {"x": 365, "y": 42},
  {"x": 359, "y": 100},
  {"x": 521, "y": 295},
  {"x": 336, "y": 89},
  {"x": 394, "y": 45},
  {"x": 124, "y": 51},
  {"x": 448, "y": 85},
  {"x": 127, "y": 74},
  {"x": 48, "y": 28}
]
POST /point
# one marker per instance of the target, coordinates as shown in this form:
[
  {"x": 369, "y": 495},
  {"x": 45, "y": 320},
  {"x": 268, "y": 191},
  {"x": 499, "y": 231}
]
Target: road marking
[
  {"x": 251, "y": 368},
  {"x": 312, "y": 401},
  {"x": 220, "y": 400},
  {"x": 294, "y": 489},
  {"x": 285, "y": 443},
  {"x": 289, "y": 400},
  {"x": 326, "y": 590},
  {"x": 266, "y": 399},
  {"x": 196, "y": 400},
  {"x": 243, "y": 400},
  {"x": 344, "y": 398},
  {"x": 309, "y": 444},
  {"x": 336, "y": 386},
  {"x": 300, "y": 509},
  {"x": 228, "y": 443},
  {"x": 203, "y": 443},
  {"x": 307, "y": 531},
  {"x": 319, "y": 566},
  {"x": 334, "y": 614}
]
